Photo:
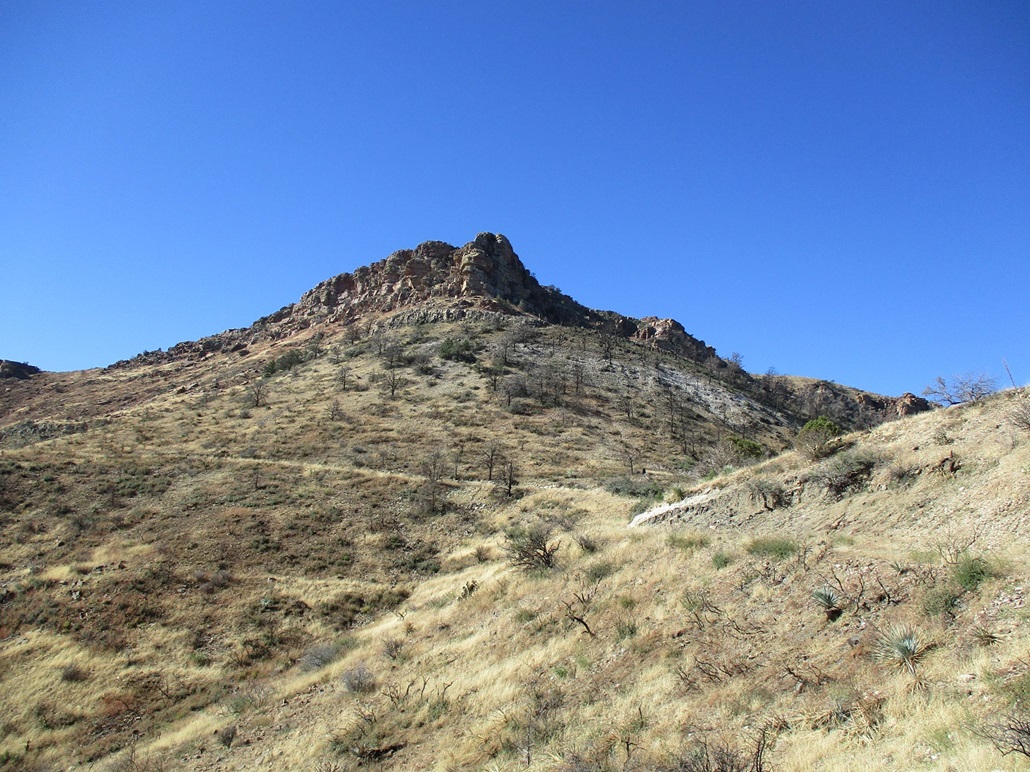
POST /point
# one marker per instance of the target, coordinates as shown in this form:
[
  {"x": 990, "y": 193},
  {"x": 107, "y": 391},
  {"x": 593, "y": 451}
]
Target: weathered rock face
[
  {"x": 669, "y": 335},
  {"x": 909, "y": 404},
  {"x": 19, "y": 370},
  {"x": 485, "y": 273}
]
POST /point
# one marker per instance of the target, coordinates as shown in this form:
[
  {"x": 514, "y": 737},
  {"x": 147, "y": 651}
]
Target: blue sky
[{"x": 833, "y": 189}]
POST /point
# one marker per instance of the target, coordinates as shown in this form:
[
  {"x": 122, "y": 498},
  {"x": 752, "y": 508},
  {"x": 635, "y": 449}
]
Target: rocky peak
[{"x": 486, "y": 271}]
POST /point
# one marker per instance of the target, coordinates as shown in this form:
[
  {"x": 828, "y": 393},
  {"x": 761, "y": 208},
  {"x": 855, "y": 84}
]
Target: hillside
[{"x": 291, "y": 547}]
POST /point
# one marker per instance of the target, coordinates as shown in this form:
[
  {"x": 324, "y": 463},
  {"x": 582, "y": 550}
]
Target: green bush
[
  {"x": 970, "y": 571},
  {"x": 746, "y": 450},
  {"x": 813, "y": 441},
  {"x": 458, "y": 350},
  {"x": 941, "y": 601},
  {"x": 287, "y": 361},
  {"x": 638, "y": 487},
  {"x": 600, "y": 570}
]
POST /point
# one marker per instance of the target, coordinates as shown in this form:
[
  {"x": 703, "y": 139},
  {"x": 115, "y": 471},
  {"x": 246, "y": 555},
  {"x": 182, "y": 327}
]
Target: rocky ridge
[{"x": 437, "y": 281}]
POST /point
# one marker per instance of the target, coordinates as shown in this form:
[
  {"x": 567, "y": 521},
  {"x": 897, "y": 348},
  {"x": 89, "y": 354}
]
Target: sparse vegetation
[{"x": 182, "y": 567}]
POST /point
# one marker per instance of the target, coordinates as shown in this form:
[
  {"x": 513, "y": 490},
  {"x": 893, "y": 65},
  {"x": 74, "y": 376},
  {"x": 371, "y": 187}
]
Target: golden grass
[{"x": 693, "y": 636}]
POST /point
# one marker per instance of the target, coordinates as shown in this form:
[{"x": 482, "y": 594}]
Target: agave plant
[
  {"x": 900, "y": 646},
  {"x": 829, "y": 600}
]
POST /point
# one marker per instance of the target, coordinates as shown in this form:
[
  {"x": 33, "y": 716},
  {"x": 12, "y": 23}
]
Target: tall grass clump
[{"x": 776, "y": 547}]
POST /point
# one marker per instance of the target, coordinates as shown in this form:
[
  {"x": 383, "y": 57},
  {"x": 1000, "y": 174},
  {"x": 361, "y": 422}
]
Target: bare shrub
[
  {"x": 528, "y": 547},
  {"x": 317, "y": 657},
  {"x": 226, "y": 735},
  {"x": 969, "y": 387},
  {"x": 1010, "y": 734},
  {"x": 1019, "y": 416},
  {"x": 844, "y": 473},
  {"x": 360, "y": 680},
  {"x": 392, "y": 648}
]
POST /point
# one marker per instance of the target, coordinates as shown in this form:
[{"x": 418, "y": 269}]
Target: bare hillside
[{"x": 411, "y": 523}]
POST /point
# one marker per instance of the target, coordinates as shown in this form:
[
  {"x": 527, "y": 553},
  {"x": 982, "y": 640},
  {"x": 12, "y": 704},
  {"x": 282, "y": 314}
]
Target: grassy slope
[{"x": 195, "y": 564}]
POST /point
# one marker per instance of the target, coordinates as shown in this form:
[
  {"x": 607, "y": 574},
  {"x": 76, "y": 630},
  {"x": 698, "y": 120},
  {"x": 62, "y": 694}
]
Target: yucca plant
[
  {"x": 829, "y": 600},
  {"x": 984, "y": 636},
  {"x": 899, "y": 646}
]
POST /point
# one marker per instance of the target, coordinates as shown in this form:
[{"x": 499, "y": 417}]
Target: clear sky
[{"x": 833, "y": 189}]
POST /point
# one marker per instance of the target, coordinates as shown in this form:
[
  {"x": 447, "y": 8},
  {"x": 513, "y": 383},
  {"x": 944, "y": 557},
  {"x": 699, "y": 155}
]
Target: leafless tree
[
  {"x": 335, "y": 411},
  {"x": 578, "y": 374},
  {"x": 342, "y": 375},
  {"x": 606, "y": 340},
  {"x": 969, "y": 387},
  {"x": 392, "y": 381},
  {"x": 491, "y": 457},
  {"x": 257, "y": 393},
  {"x": 509, "y": 476},
  {"x": 433, "y": 468},
  {"x": 514, "y": 386}
]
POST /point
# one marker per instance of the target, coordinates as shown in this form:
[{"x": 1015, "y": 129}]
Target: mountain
[{"x": 435, "y": 515}]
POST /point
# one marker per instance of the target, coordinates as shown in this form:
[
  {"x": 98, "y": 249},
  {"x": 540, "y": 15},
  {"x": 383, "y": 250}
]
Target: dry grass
[{"x": 191, "y": 561}]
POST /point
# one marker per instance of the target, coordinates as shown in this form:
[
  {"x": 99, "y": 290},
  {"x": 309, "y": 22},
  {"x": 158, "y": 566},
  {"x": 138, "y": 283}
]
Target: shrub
[
  {"x": 769, "y": 492},
  {"x": 589, "y": 544},
  {"x": 287, "y": 361},
  {"x": 720, "y": 559},
  {"x": 844, "y": 473},
  {"x": 625, "y": 628},
  {"x": 1011, "y": 733},
  {"x": 226, "y": 735},
  {"x": 600, "y": 570},
  {"x": 317, "y": 657},
  {"x": 460, "y": 350},
  {"x": 359, "y": 679},
  {"x": 777, "y": 547},
  {"x": 941, "y": 601},
  {"x": 746, "y": 450},
  {"x": 1019, "y": 416},
  {"x": 813, "y": 441},
  {"x": 637, "y": 487},
  {"x": 970, "y": 571},
  {"x": 528, "y": 547},
  {"x": 74, "y": 673}
]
